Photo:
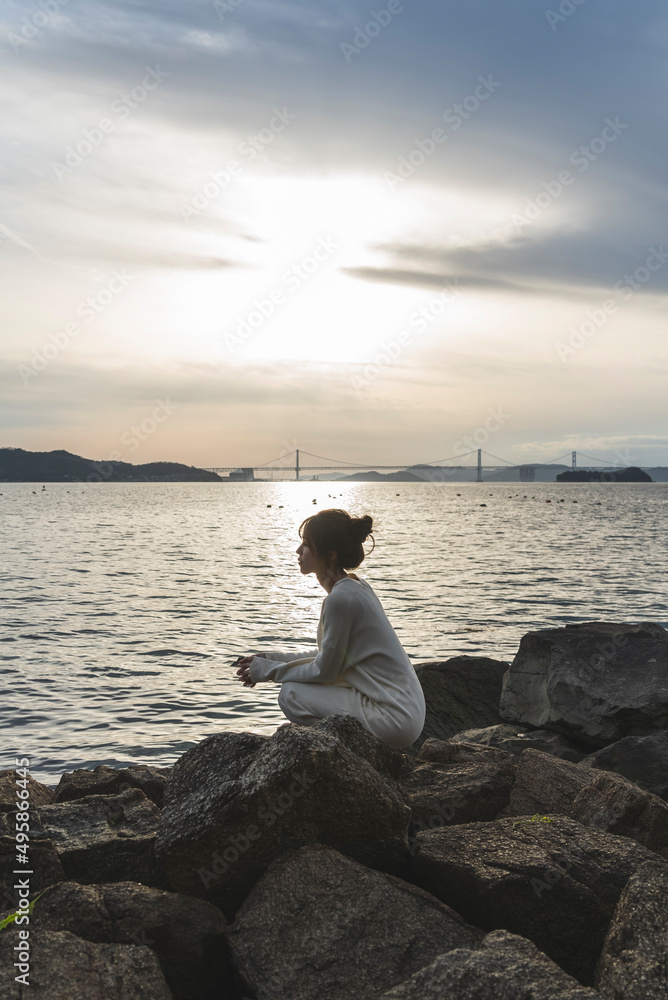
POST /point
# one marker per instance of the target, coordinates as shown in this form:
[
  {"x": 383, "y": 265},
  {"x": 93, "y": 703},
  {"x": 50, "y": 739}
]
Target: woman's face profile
[{"x": 309, "y": 562}]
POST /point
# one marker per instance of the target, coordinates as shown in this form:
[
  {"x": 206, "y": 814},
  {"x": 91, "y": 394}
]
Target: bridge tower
[
  {"x": 297, "y": 465},
  {"x": 573, "y": 460},
  {"x": 479, "y": 465}
]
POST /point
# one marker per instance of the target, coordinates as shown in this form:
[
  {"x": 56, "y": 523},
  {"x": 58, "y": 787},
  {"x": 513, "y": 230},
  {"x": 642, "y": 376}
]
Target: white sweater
[{"x": 358, "y": 647}]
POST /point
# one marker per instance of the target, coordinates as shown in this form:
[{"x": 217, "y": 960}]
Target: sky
[{"x": 379, "y": 234}]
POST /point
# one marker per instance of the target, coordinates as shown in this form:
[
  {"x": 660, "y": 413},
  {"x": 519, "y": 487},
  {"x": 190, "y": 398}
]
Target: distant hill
[
  {"x": 513, "y": 474},
  {"x": 630, "y": 475},
  {"x": 20, "y": 466},
  {"x": 379, "y": 477}
]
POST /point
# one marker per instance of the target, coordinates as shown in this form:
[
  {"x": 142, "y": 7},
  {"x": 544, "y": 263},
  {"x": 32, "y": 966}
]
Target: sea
[{"x": 125, "y": 605}]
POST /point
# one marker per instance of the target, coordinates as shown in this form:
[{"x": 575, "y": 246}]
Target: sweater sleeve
[
  {"x": 326, "y": 666},
  {"x": 278, "y": 656}
]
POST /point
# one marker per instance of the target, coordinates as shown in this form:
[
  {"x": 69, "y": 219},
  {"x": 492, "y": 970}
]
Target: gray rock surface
[
  {"x": 597, "y": 681},
  {"x": 556, "y": 883},
  {"x": 44, "y": 861},
  {"x": 505, "y": 967},
  {"x": 456, "y": 783},
  {"x": 642, "y": 759},
  {"x": 382, "y": 757},
  {"x": 318, "y": 924},
  {"x": 460, "y": 693},
  {"x": 186, "y": 934},
  {"x": 236, "y": 801},
  {"x": 104, "y": 780},
  {"x": 64, "y": 967},
  {"x": 516, "y": 738},
  {"x": 105, "y": 838},
  {"x": 612, "y": 803},
  {"x": 634, "y": 960},
  {"x": 544, "y": 784},
  {"x": 39, "y": 794}
]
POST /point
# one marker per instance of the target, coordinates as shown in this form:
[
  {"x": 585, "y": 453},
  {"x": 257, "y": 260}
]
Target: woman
[{"x": 359, "y": 668}]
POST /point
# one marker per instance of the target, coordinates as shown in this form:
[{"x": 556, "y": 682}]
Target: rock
[
  {"x": 610, "y": 802},
  {"x": 460, "y": 693},
  {"x": 457, "y": 783},
  {"x": 641, "y": 759},
  {"x": 556, "y": 883},
  {"x": 186, "y": 934},
  {"x": 104, "y": 780},
  {"x": 544, "y": 784},
  {"x": 236, "y": 801},
  {"x": 318, "y": 924},
  {"x": 63, "y": 967},
  {"x": 505, "y": 967},
  {"x": 44, "y": 861},
  {"x": 634, "y": 960},
  {"x": 382, "y": 757},
  {"x": 515, "y": 739},
  {"x": 451, "y": 752},
  {"x": 597, "y": 682},
  {"x": 105, "y": 838},
  {"x": 38, "y": 794}
]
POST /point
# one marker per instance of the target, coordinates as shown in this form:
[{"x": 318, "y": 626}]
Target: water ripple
[{"x": 125, "y": 631}]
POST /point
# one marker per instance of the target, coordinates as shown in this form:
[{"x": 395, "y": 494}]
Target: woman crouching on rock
[{"x": 359, "y": 668}]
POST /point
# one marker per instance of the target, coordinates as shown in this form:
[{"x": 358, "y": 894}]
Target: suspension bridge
[{"x": 296, "y": 469}]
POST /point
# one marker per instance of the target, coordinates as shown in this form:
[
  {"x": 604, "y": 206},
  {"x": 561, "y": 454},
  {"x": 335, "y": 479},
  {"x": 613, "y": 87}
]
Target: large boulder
[
  {"x": 610, "y": 802},
  {"x": 556, "y": 883},
  {"x": 61, "y": 966},
  {"x": 460, "y": 693},
  {"x": 236, "y": 801},
  {"x": 544, "y": 784},
  {"x": 456, "y": 783},
  {"x": 104, "y": 780},
  {"x": 515, "y": 739},
  {"x": 346, "y": 728},
  {"x": 105, "y": 838},
  {"x": 45, "y": 863},
  {"x": 634, "y": 960},
  {"x": 318, "y": 924},
  {"x": 505, "y": 967},
  {"x": 596, "y": 681},
  {"x": 642, "y": 759},
  {"x": 186, "y": 934},
  {"x": 38, "y": 794}
]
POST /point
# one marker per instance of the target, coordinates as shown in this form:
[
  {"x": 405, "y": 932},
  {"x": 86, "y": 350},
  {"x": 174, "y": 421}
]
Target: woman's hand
[{"x": 243, "y": 673}]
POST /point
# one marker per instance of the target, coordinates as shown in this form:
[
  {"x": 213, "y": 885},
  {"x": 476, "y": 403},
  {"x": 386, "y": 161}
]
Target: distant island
[
  {"x": 20, "y": 466},
  {"x": 631, "y": 475}
]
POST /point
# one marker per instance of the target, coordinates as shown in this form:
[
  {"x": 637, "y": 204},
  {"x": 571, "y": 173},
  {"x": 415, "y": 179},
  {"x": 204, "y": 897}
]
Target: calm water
[{"x": 124, "y": 605}]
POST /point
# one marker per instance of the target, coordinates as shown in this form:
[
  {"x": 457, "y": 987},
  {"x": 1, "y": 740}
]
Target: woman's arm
[
  {"x": 326, "y": 666},
  {"x": 278, "y": 656}
]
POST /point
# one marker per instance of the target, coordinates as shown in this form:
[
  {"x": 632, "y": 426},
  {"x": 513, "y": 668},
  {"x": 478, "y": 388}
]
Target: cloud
[{"x": 540, "y": 263}]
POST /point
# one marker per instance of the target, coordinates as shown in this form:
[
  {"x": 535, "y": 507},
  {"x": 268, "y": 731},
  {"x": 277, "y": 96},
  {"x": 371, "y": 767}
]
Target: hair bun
[{"x": 362, "y": 526}]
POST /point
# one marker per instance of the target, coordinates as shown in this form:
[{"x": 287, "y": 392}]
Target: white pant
[{"x": 307, "y": 703}]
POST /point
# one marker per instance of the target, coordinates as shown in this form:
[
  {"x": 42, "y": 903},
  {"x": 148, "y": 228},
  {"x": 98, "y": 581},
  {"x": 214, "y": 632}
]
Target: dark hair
[{"x": 335, "y": 530}]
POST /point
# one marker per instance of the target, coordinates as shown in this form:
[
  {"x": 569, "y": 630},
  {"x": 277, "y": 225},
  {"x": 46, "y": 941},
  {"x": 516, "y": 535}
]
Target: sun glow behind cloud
[{"x": 389, "y": 245}]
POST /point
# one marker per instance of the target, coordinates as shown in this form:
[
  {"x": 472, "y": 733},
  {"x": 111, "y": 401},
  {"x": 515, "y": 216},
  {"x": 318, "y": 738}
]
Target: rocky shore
[{"x": 519, "y": 849}]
